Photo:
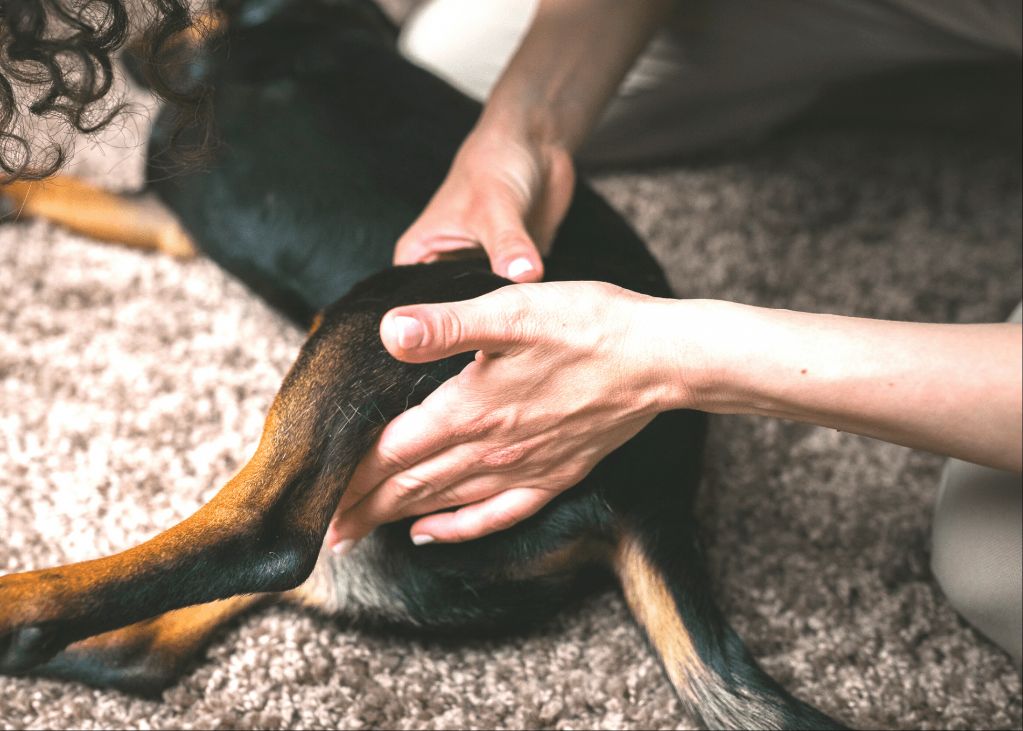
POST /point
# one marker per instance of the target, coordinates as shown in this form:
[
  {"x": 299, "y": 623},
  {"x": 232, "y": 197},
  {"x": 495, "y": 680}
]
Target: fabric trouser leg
[
  {"x": 729, "y": 70},
  {"x": 977, "y": 547},
  {"x": 720, "y": 71}
]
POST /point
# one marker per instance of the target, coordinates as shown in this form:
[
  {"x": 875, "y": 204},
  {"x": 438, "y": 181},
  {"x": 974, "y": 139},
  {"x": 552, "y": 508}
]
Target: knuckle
[
  {"x": 512, "y": 239},
  {"x": 515, "y": 298},
  {"x": 500, "y": 421},
  {"x": 504, "y": 458},
  {"x": 517, "y": 310},
  {"x": 391, "y": 459},
  {"x": 502, "y": 519},
  {"x": 573, "y": 475},
  {"x": 449, "y": 329},
  {"x": 461, "y": 430},
  {"x": 407, "y": 486},
  {"x": 457, "y": 495}
]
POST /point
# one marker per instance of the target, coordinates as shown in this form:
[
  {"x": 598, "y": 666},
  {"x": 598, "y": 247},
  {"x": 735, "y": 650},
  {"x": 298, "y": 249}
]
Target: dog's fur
[{"x": 330, "y": 145}]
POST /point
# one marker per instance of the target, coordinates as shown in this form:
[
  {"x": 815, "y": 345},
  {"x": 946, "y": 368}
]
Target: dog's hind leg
[
  {"x": 146, "y": 657},
  {"x": 136, "y": 220},
  {"x": 711, "y": 669},
  {"x": 261, "y": 533}
]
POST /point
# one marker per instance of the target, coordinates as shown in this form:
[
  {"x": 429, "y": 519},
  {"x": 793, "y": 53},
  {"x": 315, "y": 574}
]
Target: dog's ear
[{"x": 712, "y": 671}]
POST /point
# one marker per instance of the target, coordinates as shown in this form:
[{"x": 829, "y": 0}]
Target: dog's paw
[
  {"x": 31, "y": 631},
  {"x": 24, "y": 648}
]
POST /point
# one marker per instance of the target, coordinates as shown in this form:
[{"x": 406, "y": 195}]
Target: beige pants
[
  {"x": 977, "y": 547},
  {"x": 729, "y": 70},
  {"x": 722, "y": 70}
]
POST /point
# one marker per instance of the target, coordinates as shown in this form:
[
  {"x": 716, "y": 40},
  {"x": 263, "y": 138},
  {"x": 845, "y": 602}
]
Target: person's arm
[
  {"x": 511, "y": 181},
  {"x": 950, "y": 389},
  {"x": 571, "y": 370},
  {"x": 569, "y": 63}
]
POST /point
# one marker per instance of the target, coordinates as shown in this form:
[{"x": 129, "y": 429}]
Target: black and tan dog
[{"x": 330, "y": 145}]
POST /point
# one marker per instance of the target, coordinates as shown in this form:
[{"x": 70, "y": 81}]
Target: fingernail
[
  {"x": 519, "y": 266},
  {"x": 422, "y": 539},
  {"x": 343, "y": 547},
  {"x": 408, "y": 331}
]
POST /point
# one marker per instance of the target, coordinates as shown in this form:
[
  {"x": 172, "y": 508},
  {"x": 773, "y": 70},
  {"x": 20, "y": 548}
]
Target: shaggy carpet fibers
[{"x": 133, "y": 385}]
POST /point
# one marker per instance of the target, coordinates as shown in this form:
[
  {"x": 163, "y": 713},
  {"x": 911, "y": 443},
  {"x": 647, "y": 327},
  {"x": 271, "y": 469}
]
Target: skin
[
  {"x": 511, "y": 182},
  {"x": 567, "y": 372}
]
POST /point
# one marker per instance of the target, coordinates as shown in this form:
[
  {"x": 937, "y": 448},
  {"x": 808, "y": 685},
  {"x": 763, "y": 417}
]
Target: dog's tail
[{"x": 711, "y": 669}]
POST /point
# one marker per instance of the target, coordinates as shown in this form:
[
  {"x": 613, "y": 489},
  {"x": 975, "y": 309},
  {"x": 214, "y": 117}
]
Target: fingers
[
  {"x": 494, "y": 222},
  {"x": 510, "y": 249},
  {"x": 493, "y": 323},
  {"x": 421, "y": 489},
  {"x": 407, "y": 440},
  {"x": 547, "y": 217},
  {"x": 491, "y": 515},
  {"x": 416, "y": 247},
  {"x": 490, "y": 507}
]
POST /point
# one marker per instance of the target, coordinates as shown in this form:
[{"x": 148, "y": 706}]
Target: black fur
[{"x": 330, "y": 146}]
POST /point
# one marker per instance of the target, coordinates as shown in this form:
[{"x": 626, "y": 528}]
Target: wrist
[
  {"x": 669, "y": 359},
  {"x": 704, "y": 350},
  {"x": 530, "y": 126}
]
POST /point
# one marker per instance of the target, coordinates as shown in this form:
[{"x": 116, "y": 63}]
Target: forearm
[
  {"x": 568, "y": 65},
  {"x": 950, "y": 389}
]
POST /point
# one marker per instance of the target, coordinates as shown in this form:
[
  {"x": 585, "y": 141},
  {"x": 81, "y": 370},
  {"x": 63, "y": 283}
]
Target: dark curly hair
[{"x": 55, "y": 64}]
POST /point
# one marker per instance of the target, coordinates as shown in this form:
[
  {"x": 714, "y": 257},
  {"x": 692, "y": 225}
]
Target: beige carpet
[{"x": 132, "y": 386}]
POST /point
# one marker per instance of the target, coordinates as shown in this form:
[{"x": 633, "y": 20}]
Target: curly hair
[{"x": 55, "y": 65}]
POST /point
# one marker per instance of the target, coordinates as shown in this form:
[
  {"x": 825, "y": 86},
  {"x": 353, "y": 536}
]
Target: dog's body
[{"x": 330, "y": 145}]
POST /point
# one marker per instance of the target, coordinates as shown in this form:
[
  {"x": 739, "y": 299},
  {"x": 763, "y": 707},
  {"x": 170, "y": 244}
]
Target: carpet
[{"x": 132, "y": 386}]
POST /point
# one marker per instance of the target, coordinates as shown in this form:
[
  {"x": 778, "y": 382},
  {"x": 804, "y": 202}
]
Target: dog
[{"x": 330, "y": 145}]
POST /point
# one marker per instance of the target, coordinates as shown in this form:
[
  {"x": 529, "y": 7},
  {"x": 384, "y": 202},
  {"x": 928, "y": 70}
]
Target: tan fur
[
  {"x": 140, "y": 222},
  {"x": 569, "y": 558},
  {"x": 720, "y": 704},
  {"x": 177, "y": 634},
  {"x": 655, "y": 610}
]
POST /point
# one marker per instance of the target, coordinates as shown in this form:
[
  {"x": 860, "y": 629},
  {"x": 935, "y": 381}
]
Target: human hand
[
  {"x": 504, "y": 194},
  {"x": 565, "y": 373}
]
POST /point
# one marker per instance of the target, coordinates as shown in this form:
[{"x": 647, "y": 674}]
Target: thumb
[{"x": 422, "y": 333}]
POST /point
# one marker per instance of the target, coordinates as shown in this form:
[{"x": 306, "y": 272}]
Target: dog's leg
[
  {"x": 261, "y": 533},
  {"x": 712, "y": 671},
  {"x": 146, "y": 657},
  {"x": 140, "y": 221}
]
